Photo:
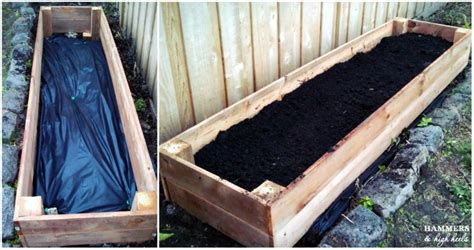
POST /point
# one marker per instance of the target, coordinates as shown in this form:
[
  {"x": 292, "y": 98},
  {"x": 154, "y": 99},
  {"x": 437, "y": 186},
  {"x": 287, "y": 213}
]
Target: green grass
[{"x": 463, "y": 195}]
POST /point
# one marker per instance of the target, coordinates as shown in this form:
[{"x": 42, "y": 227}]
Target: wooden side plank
[
  {"x": 203, "y": 51},
  {"x": 143, "y": 172},
  {"x": 87, "y": 222},
  {"x": 95, "y": 22},
  {"x": 289, "y": 36},
  {"x": 65, "y": 239},
  {"x": 310, "y": 31},
  {"x": 219, "y": 218},
  {"x": 71, "y": 19},
  {"x": 265, "y": 43},
  {"x": 237, "y": 50},
  {"x": 213, "y": 189},
  {"x": 28, "y": 153}
]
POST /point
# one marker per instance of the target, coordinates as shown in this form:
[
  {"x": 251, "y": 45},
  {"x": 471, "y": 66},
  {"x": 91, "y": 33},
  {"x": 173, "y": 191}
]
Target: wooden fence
[
  {"x": 139, "y": 21},
  {"x": 214, "y": 54}
]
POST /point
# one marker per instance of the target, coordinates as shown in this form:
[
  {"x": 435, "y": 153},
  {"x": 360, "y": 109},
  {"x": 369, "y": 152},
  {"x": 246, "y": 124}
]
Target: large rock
[
  {"x": 10, "y": 123},
  {"x": 431, "y": 137},
  {"x": 390, "y": 189},
  {"x": 15, "y": 81},
  {"x": 21, "y": 38},
  {"x": 21, "y": 25},
  {"x": 29, "y": 14},
  {"x": 7, "y": 212},
  {"x": 457, "y": 101},
  {"x": 445, "y": 117},
  {"x": 464, "y": 87},
  {"x": 14, "y": 99},
  {"x": 365, "y": 230},
  {"x": 9, "y": 163},
  {"x": 22, "y": 52}
]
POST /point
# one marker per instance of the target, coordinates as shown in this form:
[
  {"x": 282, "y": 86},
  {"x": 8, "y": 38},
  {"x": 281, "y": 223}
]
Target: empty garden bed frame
[
  {"x": 32, "y": 225},
  {"x": 274, "y": 215}
]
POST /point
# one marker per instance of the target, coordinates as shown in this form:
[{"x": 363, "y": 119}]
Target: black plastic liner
[{"x": 82, "y": 160}]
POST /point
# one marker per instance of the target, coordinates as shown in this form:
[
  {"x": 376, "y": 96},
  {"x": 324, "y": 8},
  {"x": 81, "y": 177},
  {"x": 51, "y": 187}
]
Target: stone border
[
  {"x": 391, "y": 188},
  {"x": 14, "y": 96}
]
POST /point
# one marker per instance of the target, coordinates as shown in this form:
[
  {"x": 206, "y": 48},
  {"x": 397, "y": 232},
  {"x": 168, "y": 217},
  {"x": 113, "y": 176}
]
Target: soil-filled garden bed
[{"x": 287, "y": 136}]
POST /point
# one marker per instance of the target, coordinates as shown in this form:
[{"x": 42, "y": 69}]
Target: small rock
[
  {"x": 7, "y": 212},
  {"x": 22, "y": 52},
  {"x": 10, "y": 122},
  {"x": 21, "y": 25},
  {"x": 28, "y": 13},
  {"x": 445, "y": 117},
  {"x": 365, "y": 230},
  {"x": 21, "y": 38},
  {"x": 10, "y": 163},
  {"x": 457, "y": 101},
  {"x": 14, "y": 99},
  {"x": 431, "y": 137},
  {"x": 145, "y": 125},
  {"x": 392, "y": 188},
  {"x": 170, "y": 209}
]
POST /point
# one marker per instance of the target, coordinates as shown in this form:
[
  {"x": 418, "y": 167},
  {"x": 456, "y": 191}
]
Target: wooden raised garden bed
[
  {"x": 275, "y": 215},
  {"x": 32, "y": 225}
]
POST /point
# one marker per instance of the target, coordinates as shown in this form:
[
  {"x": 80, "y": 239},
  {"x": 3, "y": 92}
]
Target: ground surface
[
  {"x": 288, "y": 136},
  {"x": 189, "y": 231},
  {"x": 442, "y": 195}
]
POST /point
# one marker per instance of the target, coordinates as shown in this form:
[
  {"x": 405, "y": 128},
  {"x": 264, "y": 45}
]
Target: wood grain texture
[
  {"x": 369, "y": 17},
  {"x": 342, "y": 23},
  {"x": 328, "y": 24},
  {"x": 143, "y": 172},
  {"x": 289, "y": 36},
  {"x": 203, "y": 51},
  {"x": 310, "y": 31},
  {"x": 265, "y": 43},
  {"x": 237, "y": 50},
  {"x": 95, "y": 22},
  {"x": 355, "y": 20},
  {"x": 150, "y": 21}
]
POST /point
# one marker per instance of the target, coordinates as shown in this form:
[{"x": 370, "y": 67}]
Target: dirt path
[{"x": 442, "y": 196}]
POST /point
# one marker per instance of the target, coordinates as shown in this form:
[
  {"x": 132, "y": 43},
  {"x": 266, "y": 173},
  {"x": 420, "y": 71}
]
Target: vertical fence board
[
  {"x": 265, "y": 43},
  {"x": 174, "y": 82},
  {"x": 369, "y": 17},
  {"x": 147, "y": 36},
  {"x": 402, "y": 9},
  {"x": 381, "y": 13},
  {"x": 135, "y": 22},
  {"x": 289, "y": 28},
  {"x": 411, "y": 9},
  {"x": 328, "y": 26},
  {"x": 392, "y": 11},
  {"x": 140, "y": 30},
  {"x": 342, "y": 23},
  {"x": 236, "y": 39},
  {"x": 355, "y": 20},
  {"x": 203, "y": 57},
  {"x": 129, "y": 19},
  {"x": 310, "y": 31},
  {"x": 218, "y": 53}
]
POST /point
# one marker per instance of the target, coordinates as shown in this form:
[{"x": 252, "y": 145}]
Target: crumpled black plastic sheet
[{"x": 82, "y": 160}]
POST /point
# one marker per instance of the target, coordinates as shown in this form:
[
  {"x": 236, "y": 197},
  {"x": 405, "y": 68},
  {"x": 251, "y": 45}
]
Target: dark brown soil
[{"x": 286, "y": 137}]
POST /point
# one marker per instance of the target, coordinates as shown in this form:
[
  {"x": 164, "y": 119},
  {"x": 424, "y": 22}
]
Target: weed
[
  {"x": 382, "y": 168},
  {"x": 367, "y": 202},
  {"x": 466, "y": 23},
  {"x": 463, "y": 193},
  {"x": 165, "y": 236},
  {"x": 140, "y": 104},
  {"x": 29, "y": 64},
  {"x": 425, "y": 121}
]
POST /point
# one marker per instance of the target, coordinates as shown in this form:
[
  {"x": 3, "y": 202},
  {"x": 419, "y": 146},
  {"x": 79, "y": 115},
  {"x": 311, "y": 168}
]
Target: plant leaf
[{"x": 165, "y": 236}]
